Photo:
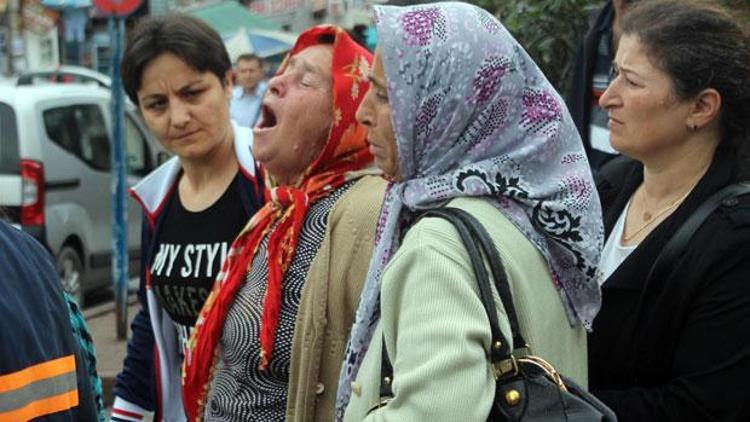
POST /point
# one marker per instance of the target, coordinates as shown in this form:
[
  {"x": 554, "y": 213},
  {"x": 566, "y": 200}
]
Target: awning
[
  {"x": 229, "y": 17},
  {"x": 65, "y": 4},
  {"x": 244, "y": 31},
  {"x": 263, "y": 43}
]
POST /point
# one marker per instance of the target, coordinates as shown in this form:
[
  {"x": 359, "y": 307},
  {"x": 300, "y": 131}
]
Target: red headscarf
[{"x": 342, "y": 159}]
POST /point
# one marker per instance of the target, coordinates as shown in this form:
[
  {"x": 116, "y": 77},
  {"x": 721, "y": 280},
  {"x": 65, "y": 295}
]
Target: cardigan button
[
  {"x": 319, "y": 388},
  {"x": 356, "y": 388}
]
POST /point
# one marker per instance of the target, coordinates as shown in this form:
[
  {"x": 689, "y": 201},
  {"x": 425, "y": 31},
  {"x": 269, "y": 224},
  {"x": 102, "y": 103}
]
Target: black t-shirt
[{"x": 190, "y": 250}]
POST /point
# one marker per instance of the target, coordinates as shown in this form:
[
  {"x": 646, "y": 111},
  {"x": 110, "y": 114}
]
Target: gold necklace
[
  {"x": 647, "y": 216},
  {"x": 650, "y": 218}
]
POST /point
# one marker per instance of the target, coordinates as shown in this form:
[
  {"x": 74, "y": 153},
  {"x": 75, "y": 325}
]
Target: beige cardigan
[
  {"x": 329, "y": 301},
  {"x": 436, "y": 329}
]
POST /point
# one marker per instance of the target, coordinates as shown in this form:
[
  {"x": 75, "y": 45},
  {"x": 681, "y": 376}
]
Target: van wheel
[{"x": 70, "y": 269}]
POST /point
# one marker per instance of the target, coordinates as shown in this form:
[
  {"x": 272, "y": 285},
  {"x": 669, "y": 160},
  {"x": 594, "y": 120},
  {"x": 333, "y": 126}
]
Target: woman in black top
[
  {"x": 178, "y": 72},
  {"x": 674, "y": 346}
]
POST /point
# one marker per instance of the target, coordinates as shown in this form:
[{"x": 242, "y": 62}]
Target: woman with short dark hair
[
  {"x": 177, "y": 71},
  {"x": 672, "y": 344}
]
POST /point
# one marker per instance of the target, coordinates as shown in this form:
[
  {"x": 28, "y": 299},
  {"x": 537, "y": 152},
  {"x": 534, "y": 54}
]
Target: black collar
[{"x": 616, "y": 188}]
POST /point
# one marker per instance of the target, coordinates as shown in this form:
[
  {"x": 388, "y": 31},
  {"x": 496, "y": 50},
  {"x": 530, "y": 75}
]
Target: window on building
[{"x": 46, "y": 51}]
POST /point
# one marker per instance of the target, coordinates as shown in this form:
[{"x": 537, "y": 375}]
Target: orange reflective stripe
[
  {"x": 44, "y": 370},
  {"x": 43, "y": 407}
]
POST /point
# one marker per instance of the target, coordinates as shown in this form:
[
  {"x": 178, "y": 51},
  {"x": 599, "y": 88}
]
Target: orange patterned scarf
[{"x": 344, "y": 158}]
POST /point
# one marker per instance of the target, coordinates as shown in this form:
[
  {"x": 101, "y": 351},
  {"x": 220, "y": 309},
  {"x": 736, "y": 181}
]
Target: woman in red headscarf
[{"x": 287, "y": 296}]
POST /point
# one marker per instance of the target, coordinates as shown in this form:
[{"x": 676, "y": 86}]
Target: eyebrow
[
  {"x": 181, "y": 89},
  {"x": 624, "y": 69},
  {"x": 375, "y": 81},
  {"x": 306, "y": 66}
]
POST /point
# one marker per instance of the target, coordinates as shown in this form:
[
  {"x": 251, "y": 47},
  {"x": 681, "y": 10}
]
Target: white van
[{"x": 55, "y": 175}]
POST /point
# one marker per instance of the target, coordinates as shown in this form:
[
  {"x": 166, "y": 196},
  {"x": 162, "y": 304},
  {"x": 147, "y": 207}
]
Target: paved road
[{"x": 110, "y": 352}]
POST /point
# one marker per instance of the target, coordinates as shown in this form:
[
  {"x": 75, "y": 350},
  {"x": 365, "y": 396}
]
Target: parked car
[
  {"x": 64, "y": 74},
  {"x": 55, "y": 175}
]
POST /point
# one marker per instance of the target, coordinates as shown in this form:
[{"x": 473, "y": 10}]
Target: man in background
[{"x": 249, "y": 90}]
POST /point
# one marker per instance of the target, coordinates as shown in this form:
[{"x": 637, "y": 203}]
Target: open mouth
[{"x": 267, "y": 118}]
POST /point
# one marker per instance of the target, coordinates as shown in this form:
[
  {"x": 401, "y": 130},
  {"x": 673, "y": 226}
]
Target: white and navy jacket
[{"x": 151, "y": 376}]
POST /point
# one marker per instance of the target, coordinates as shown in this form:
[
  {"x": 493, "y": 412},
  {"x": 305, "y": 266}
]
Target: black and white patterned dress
[{"x": 240, "y": 391}]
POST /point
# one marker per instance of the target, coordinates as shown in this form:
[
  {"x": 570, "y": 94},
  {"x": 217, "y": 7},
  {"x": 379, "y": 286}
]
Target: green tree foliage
[{"x": 551, "y": 30}]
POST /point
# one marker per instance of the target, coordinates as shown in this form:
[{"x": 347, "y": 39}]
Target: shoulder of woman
[
  {"x": 727, "y": 229},
  {"x": 720, "y": 250},
  {"x": 439, "y": 234},
  {"x": 362, "y": 201},
  {"x": 355, "y": 213}
]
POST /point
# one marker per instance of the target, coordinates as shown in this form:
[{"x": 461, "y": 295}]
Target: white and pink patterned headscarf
[{"x": 474, "y": 116}]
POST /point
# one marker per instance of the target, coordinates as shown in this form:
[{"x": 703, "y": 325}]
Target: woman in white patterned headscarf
[{"x": 460, "y": 116}]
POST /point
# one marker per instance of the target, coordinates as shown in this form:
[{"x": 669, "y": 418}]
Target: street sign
[{"x": 116, "y": 7}]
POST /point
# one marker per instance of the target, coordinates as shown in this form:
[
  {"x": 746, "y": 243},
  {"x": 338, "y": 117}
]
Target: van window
[
  {"x": 138, "y": 158},
  {"x": 8, "y": 140},
  {"x": 80, "y": 130}
]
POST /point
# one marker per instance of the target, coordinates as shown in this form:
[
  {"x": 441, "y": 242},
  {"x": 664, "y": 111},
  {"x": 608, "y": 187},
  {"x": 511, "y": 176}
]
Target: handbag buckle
[
  {"x": 549, "y": 371},
  {"x": 504, "y": 367}
]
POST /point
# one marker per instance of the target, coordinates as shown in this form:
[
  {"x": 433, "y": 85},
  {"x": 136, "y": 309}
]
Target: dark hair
[
  {"x": 249, "y": 57},
  {"x": 700, "y": 45},
  {"x": 188, "y": 38}
]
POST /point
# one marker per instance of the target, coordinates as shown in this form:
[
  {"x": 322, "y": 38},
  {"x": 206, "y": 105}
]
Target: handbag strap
[
  {"x": 478, "y": 244},
  {"x": 492, "y": 258},
  {"x": 676, "y": 244}
]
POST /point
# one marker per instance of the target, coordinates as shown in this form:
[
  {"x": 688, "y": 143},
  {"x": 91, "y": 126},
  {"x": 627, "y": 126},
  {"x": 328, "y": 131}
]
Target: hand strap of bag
[
  {"x": 676, "y": 244},
  {"x": 478, "y": 243}
]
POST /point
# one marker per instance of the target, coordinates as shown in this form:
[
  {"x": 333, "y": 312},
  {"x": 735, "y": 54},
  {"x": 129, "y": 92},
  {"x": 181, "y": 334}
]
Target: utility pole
[{"x": 117, "y": 11}]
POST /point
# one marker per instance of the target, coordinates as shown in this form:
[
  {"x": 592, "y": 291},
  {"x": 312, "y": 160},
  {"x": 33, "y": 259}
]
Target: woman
[
  {"x": 270, "y": 340},
  {"x": 674, "y": 346},
  {"x": 459, "y": 116},
  {"x": 177, "y": 71}
]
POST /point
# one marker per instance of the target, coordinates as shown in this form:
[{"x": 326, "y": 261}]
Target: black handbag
[{"x": 528, "y": 388}]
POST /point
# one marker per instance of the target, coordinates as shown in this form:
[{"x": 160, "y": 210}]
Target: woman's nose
[
  {"x": 277, "y": 85},
  {"x": 363, "y": 114},
  {"x": 179, "y": 114},
  {"x": 609, "y": 97}
]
